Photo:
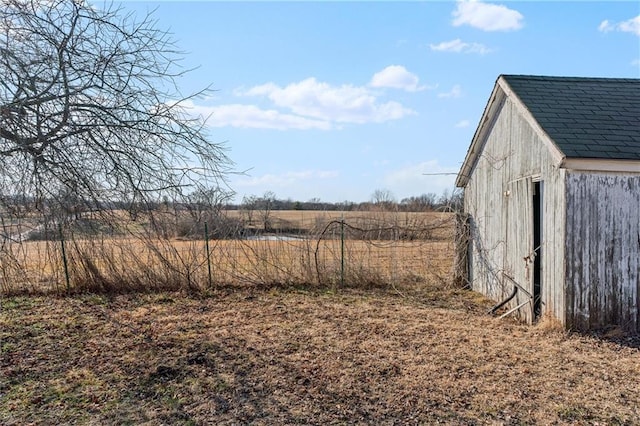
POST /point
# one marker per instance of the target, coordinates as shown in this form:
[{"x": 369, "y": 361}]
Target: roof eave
[
  {"x": 480, "y": 136},
  {"x": 601, "y": 165}
]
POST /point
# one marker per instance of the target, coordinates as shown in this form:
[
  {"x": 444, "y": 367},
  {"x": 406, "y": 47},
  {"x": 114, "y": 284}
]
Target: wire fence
[{"x": 224, "y": 249}]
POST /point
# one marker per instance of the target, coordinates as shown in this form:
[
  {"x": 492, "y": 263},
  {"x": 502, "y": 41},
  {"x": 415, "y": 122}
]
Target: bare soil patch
[{"x": 410, "y": 355}]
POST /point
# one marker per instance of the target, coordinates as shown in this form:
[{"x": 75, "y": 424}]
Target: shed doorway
[{"x": 537, "y": 244}]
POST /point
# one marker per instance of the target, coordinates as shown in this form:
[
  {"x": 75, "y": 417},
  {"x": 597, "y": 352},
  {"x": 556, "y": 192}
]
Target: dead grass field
[
  {"x": 416, "y": 354},
  {"x": 235, "y": 263},
  {"x": 105, "y": 263},
  {"x": 314, "y": 220}
]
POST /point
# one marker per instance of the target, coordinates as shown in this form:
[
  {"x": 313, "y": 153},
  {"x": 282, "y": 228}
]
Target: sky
[{"x": 335, "y": 100}]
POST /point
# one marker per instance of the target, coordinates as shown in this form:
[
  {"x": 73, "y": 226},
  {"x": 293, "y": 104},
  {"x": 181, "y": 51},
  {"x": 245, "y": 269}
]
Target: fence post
[
  {"x": 342, "y": 252},
  {"x": 64, "y": 259},
  {"x": 206, "y": 243}
]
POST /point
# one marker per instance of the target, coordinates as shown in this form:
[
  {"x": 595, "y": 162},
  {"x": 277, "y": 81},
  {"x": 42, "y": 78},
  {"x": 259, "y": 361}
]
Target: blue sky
[{"x": 334, "y": 100}]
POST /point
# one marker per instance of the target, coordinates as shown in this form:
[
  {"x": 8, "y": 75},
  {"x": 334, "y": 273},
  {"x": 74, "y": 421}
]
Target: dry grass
[
  {"x": 314, "y": 220},
  {"x": 425, "y": 354},
  {"x": 127, "y": 264},
  {"x": 276, "y": 342},
  {"x": 117, "y": 264}
]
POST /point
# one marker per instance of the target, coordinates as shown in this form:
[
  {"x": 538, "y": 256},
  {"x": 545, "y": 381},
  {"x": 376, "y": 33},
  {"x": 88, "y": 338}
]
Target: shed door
[
  {"x": 538, "y": 190},
  {"x": 519, "y": 249}
]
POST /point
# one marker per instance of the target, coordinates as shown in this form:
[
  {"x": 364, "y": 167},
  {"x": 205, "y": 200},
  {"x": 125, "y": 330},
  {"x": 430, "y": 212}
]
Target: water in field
[{"x": 274, "y": 238}]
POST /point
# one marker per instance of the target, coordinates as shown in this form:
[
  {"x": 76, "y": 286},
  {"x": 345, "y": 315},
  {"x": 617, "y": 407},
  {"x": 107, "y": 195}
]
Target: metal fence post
[
  {"x": 64, "y": 259},
  {"x": 206, "y": 242},
  {"x": 342, "y": 252}
]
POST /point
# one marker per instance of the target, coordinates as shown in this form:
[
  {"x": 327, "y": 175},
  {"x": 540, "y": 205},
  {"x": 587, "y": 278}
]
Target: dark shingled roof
[{"x": 585, "y": 117}]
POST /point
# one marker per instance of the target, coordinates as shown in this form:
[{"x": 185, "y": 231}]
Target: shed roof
[
  {"x": 585, "y": 117},
  {"x": 585, "y": 121}
]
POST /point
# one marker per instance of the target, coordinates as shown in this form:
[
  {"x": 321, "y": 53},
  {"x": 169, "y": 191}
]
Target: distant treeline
[
  {"x": 215, "y": 199},
  {"x": 380, "y": 200}
]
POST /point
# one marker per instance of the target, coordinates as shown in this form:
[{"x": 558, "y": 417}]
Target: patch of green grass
[
  {"x": 7, "y": 346},
  {"x": 17, "y": 303},
  {"x": 573, "y": 413},
  {"x": 95, "y": 299}
]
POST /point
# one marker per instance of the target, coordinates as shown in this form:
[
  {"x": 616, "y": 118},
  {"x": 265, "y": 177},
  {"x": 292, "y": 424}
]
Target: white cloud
[
  {"x": 629, "y": 26},
  {"x": 420, "y": 178},
  {"x": 396, "y": 77},
  {"x": 459, "y": 46},
  {"x": 311, "y": 104},
  {"x": 635, "y": 63},
  {"x": 327, "y": 174},
  {"x": 486, "y": 16},
  {"x": 605, "y": 26},
  {"x": 250, "y": 116},
  {"x": 337, "y": 104},
  {"x": 262, "y": 90},
  {"x": 455, "y": 92},
  {"x": 285, "y": 179},
  {"x": 462, "y": 123}
]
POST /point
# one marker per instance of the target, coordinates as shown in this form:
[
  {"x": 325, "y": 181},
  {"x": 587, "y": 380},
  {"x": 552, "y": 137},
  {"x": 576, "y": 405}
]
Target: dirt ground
[{"x": 428, "y": 355}]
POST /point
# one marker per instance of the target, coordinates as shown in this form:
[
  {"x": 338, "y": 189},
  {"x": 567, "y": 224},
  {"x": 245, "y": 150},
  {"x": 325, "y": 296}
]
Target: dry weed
[
  {"x": 548, "y": 324},
  {"x": 332, "y": 255}
]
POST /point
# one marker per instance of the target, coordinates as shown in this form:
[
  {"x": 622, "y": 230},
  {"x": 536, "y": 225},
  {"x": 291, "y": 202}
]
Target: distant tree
[
  {"x": 265, "y": 205},
  {"x": 345, "y": 205},
  {"x": 451, "y": 201},
  {"x": 89, "y": 105},
  {"x": 249, "y": 206},
  {"x": 383, "y": 199},
  {"x": 424, "y": 202},
  {"x": 314, "y": 203},
  {"x": 71, "y": 204},
  {"x": 205, "y": 203}
]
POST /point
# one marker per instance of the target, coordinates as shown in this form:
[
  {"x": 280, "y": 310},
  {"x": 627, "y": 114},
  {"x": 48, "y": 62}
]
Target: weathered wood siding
[
  {"x": 499, "y": 199},
  {"x": 484, "y": 202},
  {"x": 603, "y": 250},
  {"x": 519, "y": 242},
  {"x": 553, "y": 243}
]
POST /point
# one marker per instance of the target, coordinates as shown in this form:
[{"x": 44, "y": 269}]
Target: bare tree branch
[{"x": 89, "y": 103}]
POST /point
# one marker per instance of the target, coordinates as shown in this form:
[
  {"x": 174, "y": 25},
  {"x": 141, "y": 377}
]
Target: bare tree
[
  {"x": 265, "y": 206},
  {"x": 205, "y": 204},
  {"x": 248, "y": 207},
  {"x": 383, "y": 199},
  {"x": 451, "y": 201},
  {"x": 424, "y": 202},
  {"x": 89, "y": 103}
]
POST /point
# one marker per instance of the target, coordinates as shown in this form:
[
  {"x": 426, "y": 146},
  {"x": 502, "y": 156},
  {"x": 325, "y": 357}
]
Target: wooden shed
[{"x": 552, "y": 194}]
